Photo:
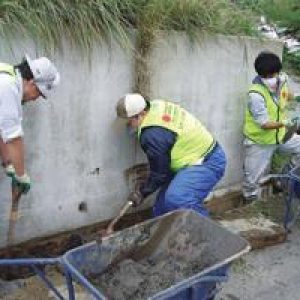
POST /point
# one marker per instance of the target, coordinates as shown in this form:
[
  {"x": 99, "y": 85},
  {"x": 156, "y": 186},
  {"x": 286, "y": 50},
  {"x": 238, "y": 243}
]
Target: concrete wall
[{"x": 75, "y": 148}]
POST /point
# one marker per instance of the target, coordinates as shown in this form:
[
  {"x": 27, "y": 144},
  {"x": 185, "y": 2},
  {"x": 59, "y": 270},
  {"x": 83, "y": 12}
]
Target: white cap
[
  {"x": 130, "y": 105},
  {"x": 45, "y": 74}
]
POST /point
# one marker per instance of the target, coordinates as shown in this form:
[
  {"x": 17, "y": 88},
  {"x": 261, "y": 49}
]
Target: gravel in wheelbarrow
[{"x": 155, "y": 259}]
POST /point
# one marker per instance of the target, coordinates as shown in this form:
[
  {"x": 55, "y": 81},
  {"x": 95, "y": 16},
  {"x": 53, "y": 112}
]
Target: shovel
[
  {"x": 16, "y": 196},
  {"x": 134, "y": 176},
  {"x": 110, "y": 228}
]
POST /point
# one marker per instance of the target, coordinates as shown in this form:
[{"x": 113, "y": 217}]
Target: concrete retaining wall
[{"x": 77, "y": 151}]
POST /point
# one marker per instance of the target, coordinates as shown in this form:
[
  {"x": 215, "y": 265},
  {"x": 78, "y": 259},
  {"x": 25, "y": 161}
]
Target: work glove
[
  {"x": 136, "y": 198},
  {"x": 296, "y": 121},
  {"x": 297, "y": 98},
  {"x": 291, "y": 122},
  {"x": 9, "y": 170},
  {"x": 23, "y": 183}
]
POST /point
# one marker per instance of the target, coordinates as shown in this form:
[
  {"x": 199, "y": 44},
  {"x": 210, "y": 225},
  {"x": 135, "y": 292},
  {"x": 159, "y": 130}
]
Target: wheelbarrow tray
[{"x": 157, "y": 237}]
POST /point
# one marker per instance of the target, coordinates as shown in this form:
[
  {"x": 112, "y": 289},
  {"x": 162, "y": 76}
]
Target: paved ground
[{"x": 269, "y": 274}]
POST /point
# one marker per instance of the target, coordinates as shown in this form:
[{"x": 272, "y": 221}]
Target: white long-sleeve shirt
[{"x": 11, "y": 91}]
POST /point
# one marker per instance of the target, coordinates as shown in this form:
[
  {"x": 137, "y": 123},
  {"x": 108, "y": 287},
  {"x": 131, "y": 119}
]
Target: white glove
[{"x": 10, "y": 170}]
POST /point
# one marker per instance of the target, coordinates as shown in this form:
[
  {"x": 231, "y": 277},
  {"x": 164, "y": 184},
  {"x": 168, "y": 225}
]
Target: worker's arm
[
  {"x": 15, "y": 148},
  {"x": 258, "y": 109},
  {"x": 272, "y": 125},
  {"x": 12, "y": 148},
  {"x": 157, "y": 143},
  {"x": 4, "y": 153},
  {"x": 12, "y": 134}
]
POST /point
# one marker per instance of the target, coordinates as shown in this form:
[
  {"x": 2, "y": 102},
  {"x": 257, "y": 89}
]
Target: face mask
[
  {"x": 271, "y": 83},
  {"x": 131, "y": 131}
]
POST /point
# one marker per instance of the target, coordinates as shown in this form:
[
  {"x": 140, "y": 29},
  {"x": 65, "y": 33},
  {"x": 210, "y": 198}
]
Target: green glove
[
  {"x": 297, "y": 98},
  {"x": 10, "y": 170},
  {"x": 23, "y": 183},
  {"x": 288, "y": 122}
]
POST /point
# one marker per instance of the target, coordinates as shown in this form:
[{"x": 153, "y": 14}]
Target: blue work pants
[{"x": 191, "y": 185}]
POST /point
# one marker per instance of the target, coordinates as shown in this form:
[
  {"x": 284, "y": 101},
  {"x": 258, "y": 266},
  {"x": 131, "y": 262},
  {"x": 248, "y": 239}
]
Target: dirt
[
  {"x": 131, "y": 279},
  {"x": 33, "y": 288}
]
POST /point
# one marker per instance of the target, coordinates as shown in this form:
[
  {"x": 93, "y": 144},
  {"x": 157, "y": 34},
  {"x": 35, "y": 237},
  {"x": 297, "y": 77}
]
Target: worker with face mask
[
  {"x": 18, "y": 85},
  {"x": 185, "y": 160},
  {"x": 266, "y": 123}
]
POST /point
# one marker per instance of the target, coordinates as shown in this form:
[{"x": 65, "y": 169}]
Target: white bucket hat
[
  {"x": 130, "y": 105},
  {"x": 45, "y": 75}
]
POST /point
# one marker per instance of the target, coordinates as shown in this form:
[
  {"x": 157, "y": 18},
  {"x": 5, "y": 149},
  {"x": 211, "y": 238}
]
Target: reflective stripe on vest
[
  {"x": 8, "y": 69},
  {"x": 193, "y": 141},
  {"x": 253, "y": 131}
]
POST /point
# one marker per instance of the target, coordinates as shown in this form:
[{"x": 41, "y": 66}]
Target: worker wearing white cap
[
  {"x": 19, "y": 84},
  {"x": 186, "y": 162}
]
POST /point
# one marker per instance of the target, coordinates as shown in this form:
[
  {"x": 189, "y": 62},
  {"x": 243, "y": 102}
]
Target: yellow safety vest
[
  {"x": 9, "y": 69},
  {"x": 193, "y": 141},
  {"x": 253, "y": 131}
]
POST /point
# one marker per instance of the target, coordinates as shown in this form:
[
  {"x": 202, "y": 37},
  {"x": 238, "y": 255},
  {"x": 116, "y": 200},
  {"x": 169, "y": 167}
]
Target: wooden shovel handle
[
  {"x": 16, "y": 195},
  {"x": 124, "y": 209}
]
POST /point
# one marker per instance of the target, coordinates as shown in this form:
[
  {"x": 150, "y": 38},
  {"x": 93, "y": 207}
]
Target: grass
[
  {"x": 291, "y": 62},
  {"x": 48, "y": 22}
]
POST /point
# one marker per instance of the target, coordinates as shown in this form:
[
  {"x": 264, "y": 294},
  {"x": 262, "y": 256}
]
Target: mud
[
  {"x": 130, "y": 279},
  {"x": 58, "y": 244}
]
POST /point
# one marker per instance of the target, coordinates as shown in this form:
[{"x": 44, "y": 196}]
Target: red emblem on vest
[
  {"x": 284, "y": 95},
  {"x": 166, "y": 118}
]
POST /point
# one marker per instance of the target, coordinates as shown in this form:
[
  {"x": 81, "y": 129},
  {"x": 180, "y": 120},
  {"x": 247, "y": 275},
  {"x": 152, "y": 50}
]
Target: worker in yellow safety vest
[
  {"x": 18, "y": 85},
  {"x": 185, "y": 160},
  {"x": 266, "y": 123}
]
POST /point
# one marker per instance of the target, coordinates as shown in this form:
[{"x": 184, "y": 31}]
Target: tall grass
[{"x": 84, "y": 22}]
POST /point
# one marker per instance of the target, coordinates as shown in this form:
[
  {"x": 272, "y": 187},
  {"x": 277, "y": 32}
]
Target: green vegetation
[
  {"x": 285, "y": 13},
  {"x": 291, "y": 62},
  {"x": 89, "y": 21}
]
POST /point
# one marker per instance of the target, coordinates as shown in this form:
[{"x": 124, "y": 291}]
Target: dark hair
[
  {"x": 24, "y": 69},
  {"x": 147, "y": 105},
  {"x": 267, "y": 63}
]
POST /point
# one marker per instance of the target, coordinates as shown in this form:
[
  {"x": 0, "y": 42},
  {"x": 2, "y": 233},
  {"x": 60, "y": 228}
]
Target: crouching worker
[{"x": 186, "y": 162}]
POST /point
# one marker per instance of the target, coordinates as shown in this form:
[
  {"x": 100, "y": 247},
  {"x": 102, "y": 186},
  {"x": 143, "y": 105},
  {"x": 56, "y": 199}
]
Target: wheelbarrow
[
  {"x": 197, "y": 242},
  {"x": 289, "y": 180}
]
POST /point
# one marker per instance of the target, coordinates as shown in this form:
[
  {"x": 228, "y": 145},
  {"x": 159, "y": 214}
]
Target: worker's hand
[
  {"x": 288, "y": 122},
  {"x": 297, "y": 98},
  {"x": 23, "y": 183},
  {"x": 136, "y": 198},
  {"x": 296, "y": 121},
  {"x": 292, "y": 122},
  {"x": 10, "y": 170}
]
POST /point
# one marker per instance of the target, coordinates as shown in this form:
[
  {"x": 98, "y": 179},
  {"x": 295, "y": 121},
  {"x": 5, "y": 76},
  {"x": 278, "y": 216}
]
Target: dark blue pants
[
  {"x": 188, "y": 189},
  {"x": 190, "y": 186}
]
